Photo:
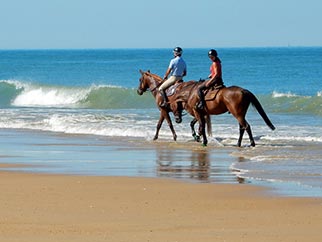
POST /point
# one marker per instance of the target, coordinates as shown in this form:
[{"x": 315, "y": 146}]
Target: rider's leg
[
  {"x": 164, "y": 86},
  {"x": 163, "y": 104},
  {"x": 201, "y": 104}
]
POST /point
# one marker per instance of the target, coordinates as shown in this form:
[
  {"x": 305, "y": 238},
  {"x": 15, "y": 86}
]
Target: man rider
[{"x": 177, "y": 69}]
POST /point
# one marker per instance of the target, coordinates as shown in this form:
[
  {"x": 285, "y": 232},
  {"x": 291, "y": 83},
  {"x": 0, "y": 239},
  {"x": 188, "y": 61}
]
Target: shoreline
[
  {"x": 90, "y": 155},
  {"x": 47, "y": 207}
]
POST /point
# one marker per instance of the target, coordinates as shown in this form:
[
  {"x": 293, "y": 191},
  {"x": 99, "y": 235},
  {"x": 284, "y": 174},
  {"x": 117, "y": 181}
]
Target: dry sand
[{"x": 37, "y": 207}]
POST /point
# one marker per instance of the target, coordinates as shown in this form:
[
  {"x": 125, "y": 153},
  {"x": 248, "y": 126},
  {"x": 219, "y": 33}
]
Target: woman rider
[{"x": 215, "y": 76}]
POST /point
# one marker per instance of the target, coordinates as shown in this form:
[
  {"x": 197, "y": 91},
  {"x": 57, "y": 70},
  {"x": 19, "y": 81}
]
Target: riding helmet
[
  {"x": 178, "y": 50},
  {"x": 213, "y": 53}
]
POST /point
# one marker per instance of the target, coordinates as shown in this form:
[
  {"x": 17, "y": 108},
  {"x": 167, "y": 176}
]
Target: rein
[{"x": 152, "y": 90}]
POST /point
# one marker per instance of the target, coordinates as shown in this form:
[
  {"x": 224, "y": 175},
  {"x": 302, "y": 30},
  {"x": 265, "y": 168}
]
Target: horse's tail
[
  {"x": 254, "y": 101},
  {"x": 208, "y": 122}
]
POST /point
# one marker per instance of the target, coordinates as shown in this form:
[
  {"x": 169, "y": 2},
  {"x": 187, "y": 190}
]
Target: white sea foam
[
  {"x": 280, "y": 94},
  {"x": 47, "y": 97},
  {"x": 295, "y": 138}
]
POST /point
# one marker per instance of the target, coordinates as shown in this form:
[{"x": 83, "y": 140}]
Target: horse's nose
[{"x": 139, "y": 92}]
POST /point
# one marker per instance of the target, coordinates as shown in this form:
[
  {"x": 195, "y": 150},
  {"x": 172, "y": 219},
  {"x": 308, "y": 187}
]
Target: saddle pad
[
  {"x": 212, "y": 93},
  {"x": 172, "y": 89}
]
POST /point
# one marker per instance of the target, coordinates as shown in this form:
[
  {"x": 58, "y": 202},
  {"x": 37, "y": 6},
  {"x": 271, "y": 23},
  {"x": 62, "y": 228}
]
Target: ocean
[{"x": 93, "y": 93}]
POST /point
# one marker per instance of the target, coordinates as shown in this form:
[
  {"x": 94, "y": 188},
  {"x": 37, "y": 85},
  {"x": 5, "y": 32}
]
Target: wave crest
[
  {"x": 281, "y": 94},
  {"x": 22, "y": 94},
  {"x": 49, "y": 97}
]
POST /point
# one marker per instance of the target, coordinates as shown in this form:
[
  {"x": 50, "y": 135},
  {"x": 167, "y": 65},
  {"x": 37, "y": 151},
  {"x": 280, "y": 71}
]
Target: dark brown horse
[
  {"x": 152, "y": 82},
  {"x": 234, "y": 100}
]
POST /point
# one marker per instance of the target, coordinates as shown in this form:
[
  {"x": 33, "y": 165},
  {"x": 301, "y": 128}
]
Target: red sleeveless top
[{"x": 215, "y": 69}]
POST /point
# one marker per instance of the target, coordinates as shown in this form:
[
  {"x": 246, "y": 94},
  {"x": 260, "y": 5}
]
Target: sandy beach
[
  {"x": 57, "y": 187},
  {"x": 42, "y": 207}
]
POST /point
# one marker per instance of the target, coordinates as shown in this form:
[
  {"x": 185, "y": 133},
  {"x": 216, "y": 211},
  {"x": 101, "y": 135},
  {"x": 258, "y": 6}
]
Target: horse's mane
[{"x": 154, "y": 76}]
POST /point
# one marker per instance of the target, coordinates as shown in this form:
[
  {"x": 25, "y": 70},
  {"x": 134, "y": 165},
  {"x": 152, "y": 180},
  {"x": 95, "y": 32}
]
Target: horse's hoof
[
  {"x": 155, "y": 138},
  {"x": 197, "y": 138}
]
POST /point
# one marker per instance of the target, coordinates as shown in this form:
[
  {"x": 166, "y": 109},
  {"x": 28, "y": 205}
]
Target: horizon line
[{"x": 151, "y": 48}]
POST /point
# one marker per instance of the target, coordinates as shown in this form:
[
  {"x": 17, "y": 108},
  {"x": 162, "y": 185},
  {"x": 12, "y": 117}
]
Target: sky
[{"x": 82, "y": 24}]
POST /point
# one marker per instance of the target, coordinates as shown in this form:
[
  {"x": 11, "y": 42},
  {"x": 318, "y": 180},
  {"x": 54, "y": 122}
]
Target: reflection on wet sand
[{"x": 201, "y": 166}]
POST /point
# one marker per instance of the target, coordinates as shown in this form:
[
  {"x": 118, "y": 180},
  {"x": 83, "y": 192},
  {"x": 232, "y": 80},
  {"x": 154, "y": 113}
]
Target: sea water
[{"x": 93, "y": 92}]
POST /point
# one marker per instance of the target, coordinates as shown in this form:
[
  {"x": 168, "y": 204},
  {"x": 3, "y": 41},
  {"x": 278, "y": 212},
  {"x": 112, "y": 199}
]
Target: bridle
[{"x": 154, "y": 88}]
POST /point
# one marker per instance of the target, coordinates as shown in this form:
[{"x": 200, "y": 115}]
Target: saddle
[
  {"x": 172, "y": 89},
  {"x": 212, "y": 92}
]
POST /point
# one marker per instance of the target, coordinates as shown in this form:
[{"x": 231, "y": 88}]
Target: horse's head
[
  {"x": 148, "y": 81},
  {"x": 143, "y": 85}
]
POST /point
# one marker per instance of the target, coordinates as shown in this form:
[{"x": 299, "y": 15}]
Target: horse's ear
[
  {"x": 142, "y": 72},
  {"x": 148, "y": 71}
]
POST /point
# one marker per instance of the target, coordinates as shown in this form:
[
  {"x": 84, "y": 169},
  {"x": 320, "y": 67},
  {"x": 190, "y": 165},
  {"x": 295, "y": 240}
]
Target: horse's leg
[
  {"x": 202, "y": 129},
  {"x": 156, "y": 136},
  {"x": 192, "y": 125},
  {"x": 167, "y": 117},
  {"x": 241, "y": 134},
  {"x": 251, "y": 138},
  {"x": 242, "y": 129}
]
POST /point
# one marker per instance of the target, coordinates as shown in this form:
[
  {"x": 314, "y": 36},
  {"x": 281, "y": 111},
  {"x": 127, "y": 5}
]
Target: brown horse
[
  {"x": 234, "y": 100},
  {"x": 152, "y": 82}
]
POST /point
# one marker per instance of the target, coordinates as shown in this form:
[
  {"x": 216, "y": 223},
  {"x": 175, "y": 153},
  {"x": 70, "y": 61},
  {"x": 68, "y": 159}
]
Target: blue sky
[{"x": 38, "y": 24}]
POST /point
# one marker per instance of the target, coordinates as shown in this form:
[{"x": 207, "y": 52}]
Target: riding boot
[
  {"x": 201, "y": 104},
  {"x": 164, "y": 103}
]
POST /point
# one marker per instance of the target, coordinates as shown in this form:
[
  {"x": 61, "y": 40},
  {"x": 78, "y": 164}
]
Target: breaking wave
[{"x": 22, "y": 94}]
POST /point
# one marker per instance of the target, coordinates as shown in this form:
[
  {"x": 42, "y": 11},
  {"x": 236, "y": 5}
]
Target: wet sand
[{"x": 38, "y": 207}]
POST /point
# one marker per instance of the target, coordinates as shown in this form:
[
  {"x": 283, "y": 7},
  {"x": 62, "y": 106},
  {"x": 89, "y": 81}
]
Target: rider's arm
[
  {"x": 184, "y": 73},
  {"x": 167, "y": 73}
]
